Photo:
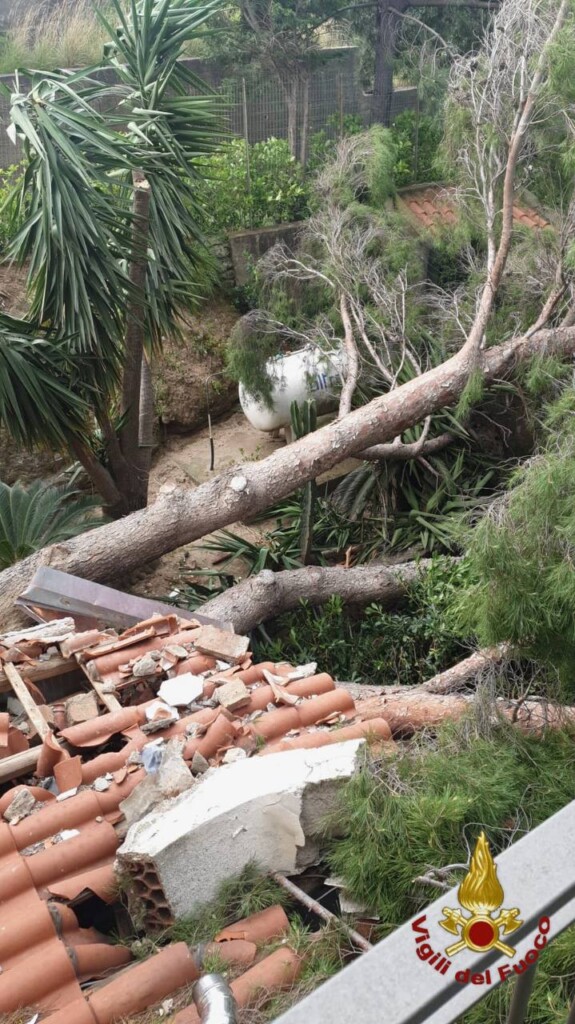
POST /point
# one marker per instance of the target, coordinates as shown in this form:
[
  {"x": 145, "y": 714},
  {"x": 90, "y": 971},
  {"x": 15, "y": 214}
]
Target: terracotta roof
[
  {"x": 435, "y": 206},
  {"x": 55, "y": 853}
]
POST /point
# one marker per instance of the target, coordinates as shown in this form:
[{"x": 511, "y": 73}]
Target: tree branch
[
  {"x": 405, "y": 452},
  {"x": 178, "y": 517},
  {"x": 268, "y": 594}
]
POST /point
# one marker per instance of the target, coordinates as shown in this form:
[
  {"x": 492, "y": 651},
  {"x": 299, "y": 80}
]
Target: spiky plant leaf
[{"x": 40, "y": 514}]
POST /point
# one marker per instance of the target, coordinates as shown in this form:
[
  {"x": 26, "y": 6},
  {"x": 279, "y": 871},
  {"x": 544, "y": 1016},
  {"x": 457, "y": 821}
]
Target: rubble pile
[{"x": 126, "y": 757}]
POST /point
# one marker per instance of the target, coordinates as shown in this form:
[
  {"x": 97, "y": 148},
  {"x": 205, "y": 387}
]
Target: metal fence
[
  {"x": 397, "y": 985},
  {"x": 256, "y": 106}
]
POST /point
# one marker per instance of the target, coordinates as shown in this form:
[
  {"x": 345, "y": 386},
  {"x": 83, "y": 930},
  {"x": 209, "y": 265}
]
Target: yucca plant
[
  {"x": 108, "y": 225},
  {"x": 40, "y": 514}
]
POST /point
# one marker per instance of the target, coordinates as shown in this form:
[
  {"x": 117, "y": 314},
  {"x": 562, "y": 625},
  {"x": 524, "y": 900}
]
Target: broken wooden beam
[{"x": 37, "y": 671}]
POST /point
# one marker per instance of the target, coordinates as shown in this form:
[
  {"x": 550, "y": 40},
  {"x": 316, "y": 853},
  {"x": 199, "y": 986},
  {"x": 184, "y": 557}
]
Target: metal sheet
[{"x": 53, "y": 594}]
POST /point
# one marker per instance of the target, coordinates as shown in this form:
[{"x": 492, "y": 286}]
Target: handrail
[{"x": 403, "y": 981}]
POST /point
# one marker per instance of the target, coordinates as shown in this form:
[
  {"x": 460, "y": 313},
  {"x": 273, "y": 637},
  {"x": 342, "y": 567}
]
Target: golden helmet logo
[{"x": 481, "y": 894}]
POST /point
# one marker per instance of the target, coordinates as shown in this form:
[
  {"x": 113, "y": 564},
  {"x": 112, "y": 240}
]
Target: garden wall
[
  {"x": 247, "y": 247},
  {"x": 334, "y": 93}
]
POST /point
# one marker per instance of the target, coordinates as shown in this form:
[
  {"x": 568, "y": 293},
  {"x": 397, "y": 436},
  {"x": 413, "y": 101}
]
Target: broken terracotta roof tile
[
  {"x": 267, "y": 924},
  {"x": 432, "y": 206},
  {"x": 222, "y": 645}
]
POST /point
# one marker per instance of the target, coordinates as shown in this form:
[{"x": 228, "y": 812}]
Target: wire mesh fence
[{"x": 328, "y": 101}]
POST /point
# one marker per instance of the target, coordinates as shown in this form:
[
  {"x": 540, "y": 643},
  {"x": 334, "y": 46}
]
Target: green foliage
[
  {"x": 41, "y": 400},
  {"x": 33, "y": 517},
  {"x": 75, "y": 205},
  {"x": 9, "y": 224},
  {"x": 520, "y": 556},
  {"x": 471, "y": 395},
  {"x": 303, "y": 422},
  {"x": 376, "y": 646},
  {"x": 247, "y": 356},
  {"x": 366, "y": 173},
  {"x": 416, "y": 139},
  {"x": 253, "y": 188},
  {"x": 416, "y": 505},
  {"x": 423, "y": 809},
  {"x": 247, "y": 893}
]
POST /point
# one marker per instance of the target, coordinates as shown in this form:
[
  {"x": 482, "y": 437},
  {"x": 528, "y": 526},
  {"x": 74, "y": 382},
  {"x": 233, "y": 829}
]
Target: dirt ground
[{"x": 185, "y": 461}]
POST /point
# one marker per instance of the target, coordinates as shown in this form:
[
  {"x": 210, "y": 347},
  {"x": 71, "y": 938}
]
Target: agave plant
[{"x": 40, "y": 514}]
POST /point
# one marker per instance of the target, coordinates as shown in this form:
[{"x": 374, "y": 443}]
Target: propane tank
[{"x": 307, "y": 373}]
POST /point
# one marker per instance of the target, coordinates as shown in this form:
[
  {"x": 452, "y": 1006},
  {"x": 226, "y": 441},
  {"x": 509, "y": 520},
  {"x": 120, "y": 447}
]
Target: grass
[
  {"x": 425, "y": 808},
  {"x": 238, "y": 897},
  {"x": 323, "y": 953},
  {"x": 47, "y": 36}
]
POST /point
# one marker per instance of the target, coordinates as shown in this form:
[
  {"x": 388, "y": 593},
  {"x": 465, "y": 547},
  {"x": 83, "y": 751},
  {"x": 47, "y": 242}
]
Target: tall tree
[
  {"x": 498, "y": 99},
  {"x": 280, "y": 37},
  {"x": 112, "y": 241},
  {"x": 390, "y": 15}
]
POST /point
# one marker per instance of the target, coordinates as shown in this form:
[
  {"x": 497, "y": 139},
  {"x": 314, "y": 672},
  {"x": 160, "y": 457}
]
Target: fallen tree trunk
[
  {"x": 268, "y": 594},
  {"x": 471, "y": 669},
  {"x": 408, "y": 711},
  {"x": 110, "y": 552}
]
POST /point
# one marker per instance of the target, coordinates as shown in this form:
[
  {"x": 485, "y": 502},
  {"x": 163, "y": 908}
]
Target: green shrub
[
  {"x": 375, "y": 645},
  {"x": 521, "y": 557},
  {"x": 426, "y": 807},
  {"x": 10, "y": 177},
  {"x": 33, "y": 517},
  {"x": 277, "y": 192},
  {"x": 416, "y": 141}
]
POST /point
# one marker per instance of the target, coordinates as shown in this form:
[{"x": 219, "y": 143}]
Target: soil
[
  {"x": 189, "y": 377},
  {"x": 185, "y": 461}
]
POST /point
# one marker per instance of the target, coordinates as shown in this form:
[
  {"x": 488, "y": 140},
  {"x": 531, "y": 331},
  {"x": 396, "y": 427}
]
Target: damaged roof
[
  {"x": 120, "y": 698},
  {"x": 434, "y": 206}
]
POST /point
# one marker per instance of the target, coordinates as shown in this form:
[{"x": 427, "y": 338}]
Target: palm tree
[{"x": 111, "y": 235}]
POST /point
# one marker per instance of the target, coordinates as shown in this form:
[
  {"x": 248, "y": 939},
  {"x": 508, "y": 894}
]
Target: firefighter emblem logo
[{"x": 481, "y": 895}]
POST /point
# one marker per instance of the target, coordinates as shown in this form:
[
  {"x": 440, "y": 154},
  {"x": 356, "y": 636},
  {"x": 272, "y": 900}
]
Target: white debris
[
  {"x": 183, "y": 690},
  {"x": 280, "y": 803}
]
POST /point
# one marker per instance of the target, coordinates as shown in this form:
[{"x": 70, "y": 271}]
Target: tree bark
[
  {"x": 134, "y": 485},
  {"x": 386, "y": 31},
  {"x": 290, "y": 88},
  {"x": 471, "y": 669},
  {"x": 179, "y": 517},
  {"x": 268, "y": 594},
  {"x": 409, "y": 710},
  {"x": 304, "y": 120}
]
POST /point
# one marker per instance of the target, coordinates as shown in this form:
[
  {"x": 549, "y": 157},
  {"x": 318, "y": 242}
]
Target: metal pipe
[
  {"x": 520, "y": 998},
  {"x": 317, "y": 908},
  {"x": 214, "y": 1000}
]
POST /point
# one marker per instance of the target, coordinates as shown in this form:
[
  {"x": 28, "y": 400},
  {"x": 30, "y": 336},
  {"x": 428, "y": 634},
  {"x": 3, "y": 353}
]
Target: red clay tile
[
  {"x": 68, "y": 774},
  {"x": 267, "y": 924},
  {"x": 376, "y": 727},
  {"x": 276, "y": 972}
]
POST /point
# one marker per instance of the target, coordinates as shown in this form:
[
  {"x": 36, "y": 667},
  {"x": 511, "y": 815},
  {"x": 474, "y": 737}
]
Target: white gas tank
[{"x": 307, "y": 373}]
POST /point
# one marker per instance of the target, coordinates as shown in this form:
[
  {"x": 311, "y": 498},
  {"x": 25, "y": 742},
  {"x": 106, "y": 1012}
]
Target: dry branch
[{"x": 469, "y": 670}]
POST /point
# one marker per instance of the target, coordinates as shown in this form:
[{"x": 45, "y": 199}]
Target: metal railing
[{"x": 407, "y": 979}]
